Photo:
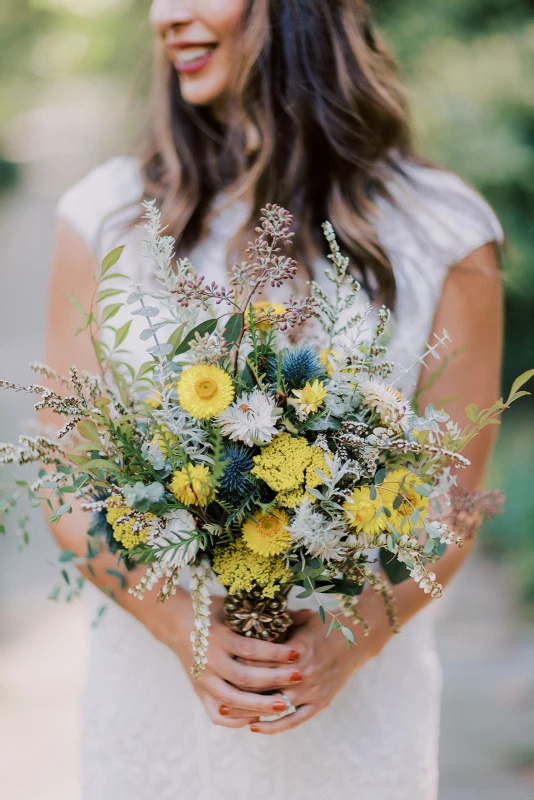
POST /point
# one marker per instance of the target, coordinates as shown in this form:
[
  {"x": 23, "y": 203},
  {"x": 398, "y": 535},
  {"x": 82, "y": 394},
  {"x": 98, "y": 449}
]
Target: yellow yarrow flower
[
  {"x": 287, "y": 465},
  {"x": 239, "y": 569},
  {"x": 312, "y": 479},
  {"x": 191, "y": 485},
  {"x": 266, "y": 534},
  {"x": 283, "y": 462},
  {"x": 205, "y": 391},
  {"x": 310, "y": 399},
  {"x": 263, "y": 307},
  {"x": 129, "y": 528},
  {"x": 362, "y": 510}
]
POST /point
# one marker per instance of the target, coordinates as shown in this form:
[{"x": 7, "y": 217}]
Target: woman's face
[{"x": 199, "y": 37}]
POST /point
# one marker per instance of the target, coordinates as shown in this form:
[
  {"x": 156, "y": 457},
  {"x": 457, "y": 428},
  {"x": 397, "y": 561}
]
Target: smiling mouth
[{"x": 193, "y": 57}]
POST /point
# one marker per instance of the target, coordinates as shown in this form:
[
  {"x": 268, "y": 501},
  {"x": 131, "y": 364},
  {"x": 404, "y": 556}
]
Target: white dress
[{"x": 146, "y": 734}]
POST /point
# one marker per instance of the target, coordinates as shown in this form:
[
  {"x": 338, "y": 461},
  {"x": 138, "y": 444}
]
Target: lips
[{"x": 192, "y": 57}]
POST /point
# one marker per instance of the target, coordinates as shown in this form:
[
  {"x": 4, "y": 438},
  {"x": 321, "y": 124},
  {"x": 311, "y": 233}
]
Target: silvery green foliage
[
  {"x": 169, "y": 273},
  {"x": 330, "y": 310}
]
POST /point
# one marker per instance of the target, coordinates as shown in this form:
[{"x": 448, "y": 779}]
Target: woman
[{"x": 294, "y": 102}]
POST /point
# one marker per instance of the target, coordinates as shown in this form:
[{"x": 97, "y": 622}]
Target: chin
[{"x": 200, "y": 93}]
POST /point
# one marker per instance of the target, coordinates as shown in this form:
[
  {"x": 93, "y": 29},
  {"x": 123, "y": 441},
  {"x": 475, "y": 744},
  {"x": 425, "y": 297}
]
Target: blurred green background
[
  {"x": 73, "y": 78},
  {"x": 469, "y": 69}
]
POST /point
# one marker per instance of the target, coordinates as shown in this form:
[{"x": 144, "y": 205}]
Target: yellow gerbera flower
[
  {"x": 362, "y": 510},
  {"x": 191, "y": 485},
  {"x": 310, "y": 399},
  {"x": 262, "y": 308},
  {"x": 267, "y": 534},
  {"x": 205, "y": 391}
]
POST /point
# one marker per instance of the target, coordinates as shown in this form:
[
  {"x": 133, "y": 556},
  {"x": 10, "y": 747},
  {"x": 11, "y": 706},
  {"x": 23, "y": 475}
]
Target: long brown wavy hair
[{"x": 322, "y": 91}]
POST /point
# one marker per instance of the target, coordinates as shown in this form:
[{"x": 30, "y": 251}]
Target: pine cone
[{"x": 251, "y": 614}]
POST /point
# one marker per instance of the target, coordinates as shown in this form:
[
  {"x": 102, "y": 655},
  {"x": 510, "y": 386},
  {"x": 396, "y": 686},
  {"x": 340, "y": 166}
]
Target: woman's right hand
[{"x": 227, "y": 683}]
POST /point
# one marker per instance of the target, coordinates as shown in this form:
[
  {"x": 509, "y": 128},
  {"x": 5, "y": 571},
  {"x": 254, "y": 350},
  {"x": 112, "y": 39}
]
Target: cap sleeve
[
  {"x": 103, "y": 203},
  {"x": 445, "y": 217}
]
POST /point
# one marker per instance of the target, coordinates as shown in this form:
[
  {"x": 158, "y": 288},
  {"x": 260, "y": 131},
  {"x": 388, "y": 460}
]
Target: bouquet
[{"x": 245, "y": 456}]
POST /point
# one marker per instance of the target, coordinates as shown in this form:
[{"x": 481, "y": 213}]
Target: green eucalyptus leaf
[
  {"x": 66, "y": 556},
  {"x": 208, "y": 326},
  {"x": 105, "y": 293},
  {"x": 110, "y": 311},
  {"x": 122, "y": 333},
  {"x": 88, "y": 430},
  {"x": 111, "y": 259}
]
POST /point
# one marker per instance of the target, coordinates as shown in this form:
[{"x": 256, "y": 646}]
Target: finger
[
  {"x": 234, "y": 713},
  {"x": 214, "y": 710},
  {"x": 228, "y": 695},
  {"x": 249, "y": 663},
  {"x": 301, "y": 617},
  {"x": 256, "y": 650},
  {"x": 258, "y": 678},
  {"x": 302, "y": 714}
]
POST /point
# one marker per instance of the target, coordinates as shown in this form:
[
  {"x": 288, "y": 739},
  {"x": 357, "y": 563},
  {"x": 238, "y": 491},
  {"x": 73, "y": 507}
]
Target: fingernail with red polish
[
  {"x": 224, "y": 711},
  {"x": 294, "y": 655},
  {"x": 279, "y": 706},
  {"x": 254, "y": 729},
  {"x": 296, "y": 677}
]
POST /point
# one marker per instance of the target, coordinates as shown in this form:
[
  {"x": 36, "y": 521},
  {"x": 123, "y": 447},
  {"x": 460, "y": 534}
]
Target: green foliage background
[{"x": 469, "y": 69}]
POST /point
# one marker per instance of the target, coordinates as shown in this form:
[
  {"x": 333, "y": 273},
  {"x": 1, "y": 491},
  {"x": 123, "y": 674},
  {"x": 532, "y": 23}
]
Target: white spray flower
[
  {"x": 388, "y": 403},
  {"x": 250, "y": 419}
]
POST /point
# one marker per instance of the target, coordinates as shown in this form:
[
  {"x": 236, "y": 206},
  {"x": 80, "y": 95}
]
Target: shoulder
[
  {"x": 433, "y": 213},
  {"x": 105, "y": 201}
]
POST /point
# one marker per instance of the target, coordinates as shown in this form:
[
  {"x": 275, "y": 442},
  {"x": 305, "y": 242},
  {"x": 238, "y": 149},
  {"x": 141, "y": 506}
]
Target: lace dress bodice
[{"x": 147, "y": 736}]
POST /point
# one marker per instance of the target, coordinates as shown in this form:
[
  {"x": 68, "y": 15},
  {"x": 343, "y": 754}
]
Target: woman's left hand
[{"x": 325, "y": 665}]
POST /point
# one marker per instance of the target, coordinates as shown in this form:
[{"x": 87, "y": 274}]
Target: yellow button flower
[
  {"x": 191, "y": 485},
  {"x": 205, "y": 391},
  {"x": 267, "y": 534}
]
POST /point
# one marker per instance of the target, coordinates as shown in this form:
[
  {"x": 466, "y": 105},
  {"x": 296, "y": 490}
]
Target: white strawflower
[
  {"x": 250, "y": 419},
  {"x": 388, "y": 403},
  {"x": 321, "y": 536},
  {"x": 169, "y": 539}
]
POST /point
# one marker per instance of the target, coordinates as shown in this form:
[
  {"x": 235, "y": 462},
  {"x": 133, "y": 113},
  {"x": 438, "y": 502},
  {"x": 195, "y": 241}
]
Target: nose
[{"x": 166, "y": 14}]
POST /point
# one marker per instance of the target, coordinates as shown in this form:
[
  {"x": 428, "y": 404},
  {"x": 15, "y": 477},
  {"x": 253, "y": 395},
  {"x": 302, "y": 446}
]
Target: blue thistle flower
[
  {"x": 236, "y": 480},
  {"x": 99, "y": 524},
  {"x": 300, "y": 366}
]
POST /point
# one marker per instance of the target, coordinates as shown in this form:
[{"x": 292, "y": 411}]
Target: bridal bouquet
[{"x": 243, "y": 456}]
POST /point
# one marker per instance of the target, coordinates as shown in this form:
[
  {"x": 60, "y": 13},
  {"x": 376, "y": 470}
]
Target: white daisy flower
[
  {"x": 174, "y": 528},
  {"x": 251, "y": 418},
  {"x": 322, "y": 537},
  {"x": 389, "y": 403}
]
